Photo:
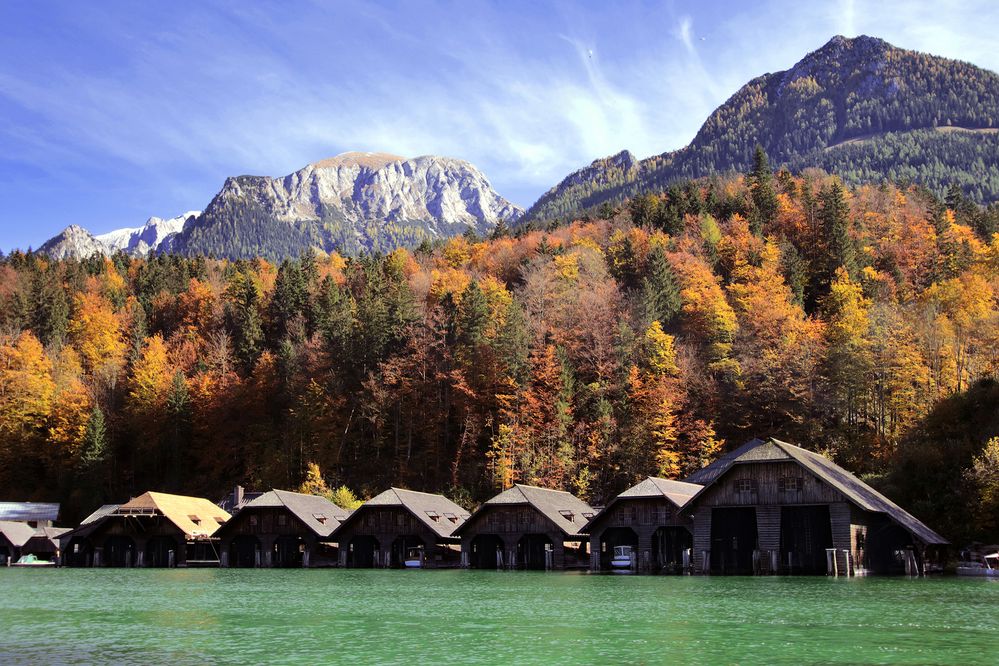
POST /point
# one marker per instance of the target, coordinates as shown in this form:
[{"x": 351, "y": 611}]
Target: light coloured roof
[
  {"x": 424, "y": 506},
  {"x": 569, "y": 513},
  {"x": 194, "y": 516},
  {"x": 99, "y": 513},
  {"x": 25, "y": 511},
  {"x": 16, "y": 533},
  {"x": 307, "y": 508},
  {"x": 677, "y": 492}
]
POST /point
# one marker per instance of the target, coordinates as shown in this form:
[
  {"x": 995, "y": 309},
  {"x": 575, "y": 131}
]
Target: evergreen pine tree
[
  {"x": 660, "y": 289},
  {"x": 762, "y": 188},
  {"x": 835, "y": 218}
]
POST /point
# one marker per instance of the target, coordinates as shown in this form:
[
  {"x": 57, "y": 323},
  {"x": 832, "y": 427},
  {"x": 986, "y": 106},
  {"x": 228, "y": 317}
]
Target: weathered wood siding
[
  {"x": 512, "y": 523},
  {"x": 388, "y": 523},
  {"x": 644, "y": 516}
]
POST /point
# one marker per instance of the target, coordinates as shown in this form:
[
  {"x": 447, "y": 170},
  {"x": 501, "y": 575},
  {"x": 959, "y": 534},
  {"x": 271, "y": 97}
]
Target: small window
[
  {"x": 253, "y": 521},
  {"x": 282, "y": 520},
  {"x": 450, "y": 516},
  {"x": 195, "y": 519},
  {"x": 320, "y": 517},
  {"x": 587, "y": 514},
  {"x": 568, "y": 515},
  {"x": 220, "y": 520},
  {"x": 434, "y": 516},
  {"x": 745, "y": 485},
  {"x": 790, "y": 484}
]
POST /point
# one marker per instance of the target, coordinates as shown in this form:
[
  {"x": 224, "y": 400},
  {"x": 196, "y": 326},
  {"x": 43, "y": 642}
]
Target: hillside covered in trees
[
  {"x": 859, "y": 322},
  {"x": 860, "y": 108}
]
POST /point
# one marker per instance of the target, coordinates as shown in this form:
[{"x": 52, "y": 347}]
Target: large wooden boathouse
[
  {"x": 401, "y": 525},
  {"x": 526, "y": 527},
  {"x": 281, "y": 529},
  {"x": 648, "y": 518},
  {"x": 152, "y": 530},
  {"x": 772, "y": 507}
]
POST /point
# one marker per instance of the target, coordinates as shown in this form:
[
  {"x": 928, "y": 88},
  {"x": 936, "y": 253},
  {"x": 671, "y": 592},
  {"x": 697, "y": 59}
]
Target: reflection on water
[{"x": 134, "y": 616}]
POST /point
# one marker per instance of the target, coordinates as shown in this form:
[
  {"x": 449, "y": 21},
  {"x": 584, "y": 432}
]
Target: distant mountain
[
  {"x": 73, "y": 242},
  {"x": 140, "y": 241},
  {"x": 859, "y": 107},
  {"x": 350, "y": 203}
]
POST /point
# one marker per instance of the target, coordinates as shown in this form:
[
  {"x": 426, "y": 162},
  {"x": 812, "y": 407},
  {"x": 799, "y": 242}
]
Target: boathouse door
[
  {"x": 361, "y": 551},
  {"x": 805, "y": 534},
  {"x": 733, "y": 540},
  {"x": 487, "y": 552}
]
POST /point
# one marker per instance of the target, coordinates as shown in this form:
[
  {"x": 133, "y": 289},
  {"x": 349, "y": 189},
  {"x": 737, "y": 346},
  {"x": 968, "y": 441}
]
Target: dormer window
[
  {"x": 450, "y": 516},
  {"x": 320, "y": 517},
  {"x": 434, "y": 516},
  {"x": 220, "y": 520},
  {"x": 587, "y": 514},
  {"x": 568, "y": 515},
  {"x": 195, "y": 519}
]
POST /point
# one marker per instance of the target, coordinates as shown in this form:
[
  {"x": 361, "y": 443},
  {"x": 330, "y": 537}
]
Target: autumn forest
[{"x": 860, "y": 322}]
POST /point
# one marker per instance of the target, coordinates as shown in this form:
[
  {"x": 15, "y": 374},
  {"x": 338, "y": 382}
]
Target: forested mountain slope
[{"x": 860, "y": 108}]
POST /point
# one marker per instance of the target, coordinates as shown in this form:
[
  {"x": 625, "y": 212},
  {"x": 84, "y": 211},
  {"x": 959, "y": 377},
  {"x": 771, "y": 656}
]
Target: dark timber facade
[
  {"x": 771, "y": 507},
  {"x": 281, "y": 529},
  {"x": 527, "y": 528},
  {"x": 648, "y": 518},
  {"x": 400, "y": 526}
]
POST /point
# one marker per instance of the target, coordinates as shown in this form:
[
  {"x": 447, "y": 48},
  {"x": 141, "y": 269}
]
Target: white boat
[
  {"x": 32, "y": 561},
  {"x": 988, "y": 567},
  {"x": 623, "y": 558},
  {"x": 414, "y": 558}
]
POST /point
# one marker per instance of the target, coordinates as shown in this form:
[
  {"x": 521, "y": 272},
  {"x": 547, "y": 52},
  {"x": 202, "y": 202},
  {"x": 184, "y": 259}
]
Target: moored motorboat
[
  {"x": 32, "y": 561},
  {"x": 987, "y": 566},
  {"x": 414, "y": 558},
  {"x": 623, "y": 559}
]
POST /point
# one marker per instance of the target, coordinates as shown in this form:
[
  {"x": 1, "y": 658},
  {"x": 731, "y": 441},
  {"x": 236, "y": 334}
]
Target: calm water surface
[{"x": 146, "y": 616}]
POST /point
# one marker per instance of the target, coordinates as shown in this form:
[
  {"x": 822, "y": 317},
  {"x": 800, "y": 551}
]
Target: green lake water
[{"x": 177, "y": 616}]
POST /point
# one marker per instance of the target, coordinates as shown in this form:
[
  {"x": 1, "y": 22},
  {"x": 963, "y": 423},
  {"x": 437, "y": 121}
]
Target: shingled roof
[
  {"x": 317, "y": 513},
  {"x": 565, "y": 510},
  {"x": 194, "y": 516},
  {"x": 29, "y": 511},
  {"x": 855, "y": 490},
  {"x": 709, "y": 473},
  {"x": 677, "y": 492},
  {"x": 437, "y": 512}
]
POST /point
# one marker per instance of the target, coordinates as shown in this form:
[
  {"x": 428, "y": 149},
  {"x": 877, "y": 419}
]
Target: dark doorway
[
  {"x": 805, "y": 534},
  {"x": 119, "y": 551},
  {"x": 487, "y": 552},
  {"x": 288, "y": 552},
  {"x": 362, "y": 551},
  {"x": 733, "y": 540},
  {"x": 79, "y": 553},
  {"x": 535, "y": 551},
  {"x": 244, "y": 551},
  {"x": 614, "y": 537},
  {"x": 888, "y": 548},
  {"x": 407, "y": 548},
  {"x": 669, "y": 545},
  {"x": 4, "y": 555},
  {"x": 161, "y": 551}
]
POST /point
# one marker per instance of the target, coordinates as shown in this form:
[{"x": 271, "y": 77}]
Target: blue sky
[{"x": 114, "y": 111}]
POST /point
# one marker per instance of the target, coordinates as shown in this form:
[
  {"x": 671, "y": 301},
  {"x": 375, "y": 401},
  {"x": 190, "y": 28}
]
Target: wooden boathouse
[
  {"x": 772, "y": 507},
  {"x": 399, "y": 525},
  {"x": 526, "y": 527},
  {"x": 648, "y": 518},
  {"x": 281, "y": 529},
  {"x": 152, "y": 530}
]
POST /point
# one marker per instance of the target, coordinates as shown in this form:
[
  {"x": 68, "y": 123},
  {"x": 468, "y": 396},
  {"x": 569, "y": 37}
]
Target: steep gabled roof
[
  {"x": 677, "y": 492},
  {"x": 565, "y": 510},
  {"x": 859, "y": 492},
  {"x": 437, "y": 512},
  {"x": 16, "y": 533},
  {"x": 855, "y": 490},
  {"x": 25, "y": 511},
  {"x": 194, "y": 516},
  {"x": 709, "y": 473},
  {"x": 311, "y": 510},
  {"x": 104, "y": 510}
]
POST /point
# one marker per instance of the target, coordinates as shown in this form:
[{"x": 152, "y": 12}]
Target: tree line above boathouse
[{"x": 862, "y": 322}]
